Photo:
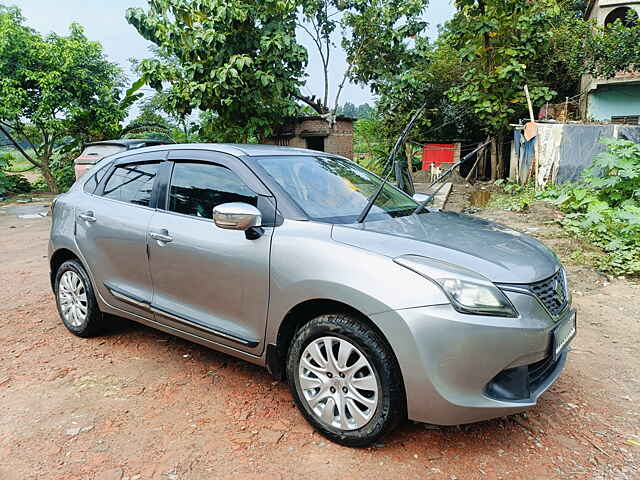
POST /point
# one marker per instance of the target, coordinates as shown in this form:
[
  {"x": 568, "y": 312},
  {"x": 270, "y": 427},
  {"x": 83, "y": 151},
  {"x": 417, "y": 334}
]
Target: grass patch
[
  {"x": 512, "y": 196},
  {"x": 17, "y": 163}
]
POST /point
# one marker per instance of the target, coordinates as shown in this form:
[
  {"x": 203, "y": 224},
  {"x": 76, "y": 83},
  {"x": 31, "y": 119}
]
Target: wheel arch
[
  {"x": 58, "y": 258},
  {"x": 296, "y": 317}
]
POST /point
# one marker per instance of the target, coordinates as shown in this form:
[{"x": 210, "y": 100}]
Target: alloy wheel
[
  {"x": 72, "y": 296},
  {"x": 338, "y": 383}
]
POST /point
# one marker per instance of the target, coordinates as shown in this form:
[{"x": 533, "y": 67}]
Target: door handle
[
  {"x": 161, "y": 237},
  {"x": 87, "y": 216}
]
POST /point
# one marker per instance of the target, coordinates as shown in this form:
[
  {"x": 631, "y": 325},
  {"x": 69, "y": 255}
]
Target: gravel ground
[{"x": 139, "y": 404}]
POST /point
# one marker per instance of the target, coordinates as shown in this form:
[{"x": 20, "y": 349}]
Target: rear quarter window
[
  {"x": 91, "y": 185},
  {"x": 132, "y": 183}
]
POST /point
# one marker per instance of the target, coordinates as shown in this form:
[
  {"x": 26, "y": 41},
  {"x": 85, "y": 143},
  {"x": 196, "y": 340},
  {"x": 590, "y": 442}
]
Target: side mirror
[
  {"x": 237, "y": 216},
  {"x": 421, "y": 197}
]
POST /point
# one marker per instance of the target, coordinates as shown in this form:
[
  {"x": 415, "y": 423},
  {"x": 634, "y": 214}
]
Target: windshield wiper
[
  {"x": 390, "y": 159},
  {"x": 431, "y": 196}
]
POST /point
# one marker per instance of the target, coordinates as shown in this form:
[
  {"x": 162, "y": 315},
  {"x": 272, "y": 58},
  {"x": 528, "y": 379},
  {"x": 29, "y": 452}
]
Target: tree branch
[
  {"x": 313, "y": 103},
  {"x": 327, "y": 39},
  {"x": 340, "y": 87},
  {"x": 317, "y": 39},
  {"x": 17, "y": 145},
  {"x": 22, "y": 133}
]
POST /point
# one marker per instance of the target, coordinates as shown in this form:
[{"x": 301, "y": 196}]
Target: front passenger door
[{"x": 207, "y": 281}]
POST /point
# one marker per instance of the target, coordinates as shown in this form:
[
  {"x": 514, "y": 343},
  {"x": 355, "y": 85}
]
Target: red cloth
[{"x": 437, "y": 154}]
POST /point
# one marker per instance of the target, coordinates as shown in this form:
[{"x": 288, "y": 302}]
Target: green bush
[
  {"x": 605, "y": 208},
  {"x": 11, "y": 183},
  {"x": 40, "y": 185},
  {"x": 62, "y": 170}
]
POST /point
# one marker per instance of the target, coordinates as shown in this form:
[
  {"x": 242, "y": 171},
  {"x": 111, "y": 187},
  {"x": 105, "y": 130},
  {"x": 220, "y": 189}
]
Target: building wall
[
  {"x": 340, "y": 141},
  {"x": 614, "y": 100},
  {"x": 337, "y": 139}
]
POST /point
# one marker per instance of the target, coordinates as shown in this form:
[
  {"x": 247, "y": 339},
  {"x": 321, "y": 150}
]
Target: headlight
[{"x": 468, "y": 291}]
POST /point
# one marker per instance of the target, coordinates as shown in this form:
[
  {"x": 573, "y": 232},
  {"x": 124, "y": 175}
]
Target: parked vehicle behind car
[
  {"x": 257, "y": 251},
  {"x": 92, "y": 153}
]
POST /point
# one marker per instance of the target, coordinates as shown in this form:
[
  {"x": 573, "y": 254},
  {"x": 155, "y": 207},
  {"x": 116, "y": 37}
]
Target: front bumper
[{"x": 453, "y": 365}]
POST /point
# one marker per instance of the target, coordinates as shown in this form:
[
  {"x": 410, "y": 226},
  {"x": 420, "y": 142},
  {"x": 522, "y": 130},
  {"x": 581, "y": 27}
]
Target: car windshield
[{"x": 333, "y": 190}]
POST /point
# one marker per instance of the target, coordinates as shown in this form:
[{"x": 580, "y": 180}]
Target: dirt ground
[{"x": 136, "y": 403}]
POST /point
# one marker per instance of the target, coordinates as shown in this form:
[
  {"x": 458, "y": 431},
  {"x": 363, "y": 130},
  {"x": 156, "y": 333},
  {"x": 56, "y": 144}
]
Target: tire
[
  {"x": 365, "y": 399},
  {"x": 87, "y": 319}
]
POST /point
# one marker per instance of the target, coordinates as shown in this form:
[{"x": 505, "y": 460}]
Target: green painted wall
[{"x": 614, "y": 100}]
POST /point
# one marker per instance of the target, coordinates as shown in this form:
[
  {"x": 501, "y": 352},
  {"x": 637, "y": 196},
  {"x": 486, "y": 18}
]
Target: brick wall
[
  {"x": 340, "y": 141},
  {"x": 337, "y": 139}
]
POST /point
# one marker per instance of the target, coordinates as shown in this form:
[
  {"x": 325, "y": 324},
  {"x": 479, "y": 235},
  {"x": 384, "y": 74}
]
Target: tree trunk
[
  {"x": 48, "y": 176},
  {"x": 494, "y": 160},
  {"x": 409, "y": 153},
  {"x": 499, "y": 154}
]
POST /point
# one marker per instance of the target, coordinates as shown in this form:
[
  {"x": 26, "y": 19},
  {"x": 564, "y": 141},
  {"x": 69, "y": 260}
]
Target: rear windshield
[
  {"x": 334, "y": 190},
  {"x": 100, "y": 151}
]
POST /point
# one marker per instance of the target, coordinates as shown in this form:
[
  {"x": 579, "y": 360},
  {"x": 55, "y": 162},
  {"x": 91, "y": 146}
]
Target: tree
[
  {"x": 361, "y": 111},
  {"x": 210, "y": 53},
  {"x": 376, "y": 37},
  {"x": 236, "y": 59},
  {"x": 54, "y": 89},
  {"x": 472, "y": 77},
  {"x": 365, "y": 111},
  {"x": 497, "y": 40},
  {"x": 150, "y": 123},
  {"x": 608, "y": 50},
  {"x": 348, "y": 110}
]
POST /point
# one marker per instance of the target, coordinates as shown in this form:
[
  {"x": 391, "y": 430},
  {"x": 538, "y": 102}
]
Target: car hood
[{"x": 499, "y": 253}]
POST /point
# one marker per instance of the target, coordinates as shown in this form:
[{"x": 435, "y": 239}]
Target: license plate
[{"x": 563, "y": 334}]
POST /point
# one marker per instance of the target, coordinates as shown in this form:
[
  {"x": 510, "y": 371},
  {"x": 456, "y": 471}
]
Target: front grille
[{"x": 552, "y": 292}]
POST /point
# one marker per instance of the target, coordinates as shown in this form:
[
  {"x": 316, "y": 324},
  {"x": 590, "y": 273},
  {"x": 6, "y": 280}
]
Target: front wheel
[{"x": 344, "y": 380}]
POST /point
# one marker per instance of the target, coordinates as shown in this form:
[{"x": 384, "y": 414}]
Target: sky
[{"x": 104, "y": 21}]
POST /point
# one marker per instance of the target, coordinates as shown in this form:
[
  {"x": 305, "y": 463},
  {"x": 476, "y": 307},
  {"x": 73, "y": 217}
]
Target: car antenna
[
  {"x": 390, "y": 160},
  {"x": 445, "y": 175}
]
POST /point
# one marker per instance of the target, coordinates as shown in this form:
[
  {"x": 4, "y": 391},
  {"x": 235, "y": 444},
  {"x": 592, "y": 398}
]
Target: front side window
[
  {"x": 334, "y": 190},
  {"x": 132, "y": 183},
  {"x": 197, "y": 188}
]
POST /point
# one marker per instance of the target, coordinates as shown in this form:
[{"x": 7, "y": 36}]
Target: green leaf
[{"x": 135, "y": 86}]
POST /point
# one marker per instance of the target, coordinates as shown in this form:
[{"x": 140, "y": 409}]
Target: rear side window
[
  {"x": 132, "y": 183},
  {"x": 91, "y": 185},
  {"x": 197, "y": 188}
]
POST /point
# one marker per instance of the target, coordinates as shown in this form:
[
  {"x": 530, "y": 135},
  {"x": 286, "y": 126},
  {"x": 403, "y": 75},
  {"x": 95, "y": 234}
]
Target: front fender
[{"x": 306, "y": 264}]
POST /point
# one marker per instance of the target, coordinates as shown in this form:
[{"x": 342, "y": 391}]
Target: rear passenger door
[
  {"x": 210, "y": 282},
  {"x": 111, "y": 231}
]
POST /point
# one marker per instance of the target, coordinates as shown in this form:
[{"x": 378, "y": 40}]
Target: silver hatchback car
[{"x": 258, "y": 251}]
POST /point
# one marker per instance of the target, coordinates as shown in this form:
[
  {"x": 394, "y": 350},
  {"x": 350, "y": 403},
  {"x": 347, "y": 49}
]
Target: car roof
[{"x": 236, "y": 149}]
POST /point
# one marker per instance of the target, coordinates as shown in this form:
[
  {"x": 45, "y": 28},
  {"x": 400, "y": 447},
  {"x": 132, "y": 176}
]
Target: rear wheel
[
  {"x": 76, "y": 300},
  {"x": 344, "y": 380}
]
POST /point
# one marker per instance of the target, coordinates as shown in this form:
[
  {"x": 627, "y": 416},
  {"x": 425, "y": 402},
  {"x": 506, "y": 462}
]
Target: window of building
[{"x": 627, "y": 15}]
